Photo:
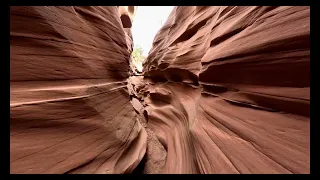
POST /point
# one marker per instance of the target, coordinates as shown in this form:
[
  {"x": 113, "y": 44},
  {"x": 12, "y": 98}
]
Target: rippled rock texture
[
  {"x": 227, "y": 90},
  {"x": 223, "y": 90},
  {"x": 70, "y": 110}
]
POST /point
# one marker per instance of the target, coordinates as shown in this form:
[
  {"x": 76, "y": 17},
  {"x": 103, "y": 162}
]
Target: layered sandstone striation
[
  {"x": 223, "y": 90},
  {"x": 70, "y": 110},
  {"x": 227, "y": 90}
]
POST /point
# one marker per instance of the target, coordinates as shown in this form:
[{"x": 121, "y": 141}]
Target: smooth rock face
[
  {"x": 227, "y": 90},
  {"x": 70, "y": 110},
  {"x": 223, "y": 90}
]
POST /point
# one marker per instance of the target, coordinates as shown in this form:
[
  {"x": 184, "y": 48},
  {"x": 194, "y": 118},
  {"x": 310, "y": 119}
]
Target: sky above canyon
[{"x": 146, "y": 23}]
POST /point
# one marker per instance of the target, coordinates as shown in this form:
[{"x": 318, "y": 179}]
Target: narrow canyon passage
[{"x": 222, "y": 90}]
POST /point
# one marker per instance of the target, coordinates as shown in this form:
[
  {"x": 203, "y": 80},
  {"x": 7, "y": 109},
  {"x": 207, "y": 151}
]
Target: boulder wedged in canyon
[
  {"x": 70, "y": 110},
  {"x": 227, "y": 90}
]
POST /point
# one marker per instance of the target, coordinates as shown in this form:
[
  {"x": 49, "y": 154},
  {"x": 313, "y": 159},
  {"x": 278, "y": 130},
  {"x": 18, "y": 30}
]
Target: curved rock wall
[
  {"x": 223, "y": 90},
  {"x": 70, "y": 110},
  {"x": 227, "y": 90}
]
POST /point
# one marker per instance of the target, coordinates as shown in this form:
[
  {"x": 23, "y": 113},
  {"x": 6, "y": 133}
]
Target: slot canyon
[{"x": 223, "y": 90}]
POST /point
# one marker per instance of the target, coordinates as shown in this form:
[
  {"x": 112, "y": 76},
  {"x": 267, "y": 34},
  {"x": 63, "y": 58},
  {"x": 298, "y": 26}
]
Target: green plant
[{"x": 137, "y": 54}]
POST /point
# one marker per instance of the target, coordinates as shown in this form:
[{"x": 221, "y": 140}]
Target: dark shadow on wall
[
  {"x": 141, "y": 166},
  {"x": 126, "y": 22}
]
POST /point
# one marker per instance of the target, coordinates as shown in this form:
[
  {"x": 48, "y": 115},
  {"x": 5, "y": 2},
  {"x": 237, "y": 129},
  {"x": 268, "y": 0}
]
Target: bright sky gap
[{"x": 146, "y": 23}]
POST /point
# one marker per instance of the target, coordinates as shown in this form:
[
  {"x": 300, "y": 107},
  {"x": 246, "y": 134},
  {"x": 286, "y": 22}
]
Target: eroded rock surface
[
  {"x": 227, "y": 90},
  {"x": 69, "y": 104},
  {"x": 223, "y": 90}
]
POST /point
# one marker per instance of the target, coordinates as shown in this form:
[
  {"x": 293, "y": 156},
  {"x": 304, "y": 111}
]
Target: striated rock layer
[
  {"x": 227, "y": 90},
  {"x": 70, "y": 110},
  {"x": 223, "y": 90}
]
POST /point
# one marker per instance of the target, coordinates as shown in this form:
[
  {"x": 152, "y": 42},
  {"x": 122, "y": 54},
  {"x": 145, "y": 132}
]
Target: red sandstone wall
[
  {"x": 230, "y": 90},
  {"x": 69, "y": 105}
]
